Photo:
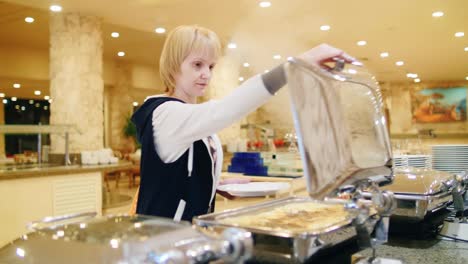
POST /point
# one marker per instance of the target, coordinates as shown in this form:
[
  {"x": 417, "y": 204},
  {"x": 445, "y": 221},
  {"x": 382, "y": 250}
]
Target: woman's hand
[{"x": 324, "y": 53}]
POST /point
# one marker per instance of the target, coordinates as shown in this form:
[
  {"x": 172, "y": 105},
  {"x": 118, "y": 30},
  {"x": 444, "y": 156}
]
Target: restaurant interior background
[
  {"x": 93, "y": 63},
  {"x": 405, "y": 31}
]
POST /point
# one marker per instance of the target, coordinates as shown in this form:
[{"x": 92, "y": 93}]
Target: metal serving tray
[
  {"x": 123, "y": 239},
  {"x": 420, "y": 192},
  {"x": 294, "y": 246}
]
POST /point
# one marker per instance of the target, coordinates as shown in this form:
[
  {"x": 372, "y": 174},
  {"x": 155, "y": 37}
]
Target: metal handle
[{"x": 47, "y": 221}]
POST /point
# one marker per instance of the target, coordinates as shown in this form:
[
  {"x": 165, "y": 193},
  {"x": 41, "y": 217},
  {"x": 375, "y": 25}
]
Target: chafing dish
[
  {"x": 343, "y": 142},
  {"x": 123, "y": 239}
]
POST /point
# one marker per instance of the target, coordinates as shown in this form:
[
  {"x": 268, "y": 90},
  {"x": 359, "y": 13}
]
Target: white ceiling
[{"x": 404, "y": 28}]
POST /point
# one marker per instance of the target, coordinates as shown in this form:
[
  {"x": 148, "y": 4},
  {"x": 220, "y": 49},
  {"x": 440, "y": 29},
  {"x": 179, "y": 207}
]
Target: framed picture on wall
[{"x": 436, "y": 105}]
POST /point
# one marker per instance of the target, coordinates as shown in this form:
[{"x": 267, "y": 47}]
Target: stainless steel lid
[
  {"x": 340, "y": 124},
  {"x": 125, "y": 239}
]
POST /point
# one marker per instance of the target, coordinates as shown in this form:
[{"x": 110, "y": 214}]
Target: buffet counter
[{"x": 34, "y": 192}]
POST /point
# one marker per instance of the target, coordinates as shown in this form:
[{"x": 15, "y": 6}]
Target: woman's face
[{"x": 195, "y": 73}]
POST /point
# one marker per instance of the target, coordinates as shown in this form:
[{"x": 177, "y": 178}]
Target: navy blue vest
[{"x": 163, "y": 185}]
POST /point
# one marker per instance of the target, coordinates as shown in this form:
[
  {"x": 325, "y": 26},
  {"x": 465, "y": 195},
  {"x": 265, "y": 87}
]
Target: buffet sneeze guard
[{"x": 343, "y": 142}]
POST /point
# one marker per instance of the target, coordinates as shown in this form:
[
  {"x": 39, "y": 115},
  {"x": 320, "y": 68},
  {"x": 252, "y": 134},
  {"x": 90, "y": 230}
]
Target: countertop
[
  {"x": 422, "y": 251},
  {"x": 42, "y": 171}
]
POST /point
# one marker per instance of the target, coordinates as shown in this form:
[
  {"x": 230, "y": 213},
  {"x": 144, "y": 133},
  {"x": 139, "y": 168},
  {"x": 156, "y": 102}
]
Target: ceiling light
[
  {"x": 277, "y": 57},
  {"x": 23, "y": 108},
  {"x": 466, "y": 48},
  {"x": 241, "y": 79},
  {"x": 45, "y": 107},
  {"x": 246, "y": 64},
  {"x": 466, "y": 78},
  {"x": 384, "y": 54},
  {"x": 17, "y": 107},
  {"x": 55, "y": 8},
  {"x": 37, "y": 105},
  {"x": 120, "y": 53},
  {"x": 37, "y": 92},
  {"x": 362, "y": 43},
  {"x": 16, "y": 85},
  {"x": 325, "y": 28},
  {"x": 160, "y": 30},
  {"x": 232, "y": 45},
  {"x": 264, "y": 4},
  {"x": 46, "y": 97},
  {"x": 412, "y": 75},
  {"x": 5, "y": 101},
  {"x": 459, "y": 34},
  {"x": 29, "y": 19},
  {"x": 2, "y": 95},
  {"x": 135, "y": 103},
  {"x": 266, "y": 71},
  {"x": 31, "y": 101},
  {"x": 438, "y": 14},
  {"x": 399, "y": 63},
  {"x": 14, "y": 99},
  {"x": 115, "y": 34},
  {"x": 417, "y": 80}
]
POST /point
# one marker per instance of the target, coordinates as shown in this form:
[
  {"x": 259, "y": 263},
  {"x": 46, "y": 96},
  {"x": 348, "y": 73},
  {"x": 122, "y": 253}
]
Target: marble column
[
  {"x": 120, "y": 105},
  {"x": 76, "y": 80},
  {"x": 2, "y": 136}
]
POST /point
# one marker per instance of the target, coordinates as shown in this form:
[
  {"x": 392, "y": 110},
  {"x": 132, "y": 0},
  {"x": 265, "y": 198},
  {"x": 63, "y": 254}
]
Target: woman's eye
[
  {"x": 198, "y": 64},
  {"x": 211, "y": 67}
]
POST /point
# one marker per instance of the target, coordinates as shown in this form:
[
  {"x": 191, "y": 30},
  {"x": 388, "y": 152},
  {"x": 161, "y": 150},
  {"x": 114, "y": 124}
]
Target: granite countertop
[
  {"x": 47, "y": 170},
  {"x": 422, "y": 251}
]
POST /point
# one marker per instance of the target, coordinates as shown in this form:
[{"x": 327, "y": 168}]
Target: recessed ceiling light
[
  {"x": 31, "y": 101},
  {"x": 5, "y": 101},
  {"x": 399, "y": 63},
  {"x": 264, "y": 4},
  {"x": 135, "y": 103},
  {"x": 277, "y": 57},
  {"x": 246, "y": 64},
  {"x": 438, "y": 14},
  {"x": 16, "y": 85},
  {"x": 55, "y": 8},
  {"x": 2, "y": 95},
  {"x": 45, "y": 107},
  {"x": 384, "y": 54},
  {"x": 115, "y": 34},
  {"x": 17, "y": 107},
  {"x": 325, "y": 27},
  {"x": 29, "y": 19},
  {"x": 14, "y": 99},
  {"x": 417, "y": 80},
  {"x": 466, "y": 48},
  {"x": 459, "y": 34},
  {"x": 160, "y": 30},
  {"x": 37, "y": 92},
  {"x": 241, "y": 79},
  {"x": 362, "y": 43},
  {"x": 46, "y": 97},
  {"x": 232, "y": 45},
  {"x": 412, "y": 75},
  {"x": 37, "y": 105},
  {"x": 23, "y": 108},
  {"x": 466, "y": 78},
  {"x": 120, "y": 53}
]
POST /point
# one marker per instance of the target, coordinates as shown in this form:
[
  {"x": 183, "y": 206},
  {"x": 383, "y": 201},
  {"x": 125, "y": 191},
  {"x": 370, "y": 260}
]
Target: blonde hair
[{"x": 180, "y": 42}]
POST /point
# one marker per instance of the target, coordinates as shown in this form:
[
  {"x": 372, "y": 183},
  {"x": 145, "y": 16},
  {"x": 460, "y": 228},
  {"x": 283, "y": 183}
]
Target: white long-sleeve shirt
[{"x": 177, "y": 125}]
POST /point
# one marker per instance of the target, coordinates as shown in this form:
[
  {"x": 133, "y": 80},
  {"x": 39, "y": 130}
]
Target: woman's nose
[{"x": 206, "y": 73}]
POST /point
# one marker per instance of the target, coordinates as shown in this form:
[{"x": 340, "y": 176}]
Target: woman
[{"x": 181, "y": 154}]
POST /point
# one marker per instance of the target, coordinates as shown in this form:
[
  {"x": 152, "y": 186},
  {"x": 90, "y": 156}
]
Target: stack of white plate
[
  {"x": 418, "y": 161},
  {"x": 450, "y": 158}
]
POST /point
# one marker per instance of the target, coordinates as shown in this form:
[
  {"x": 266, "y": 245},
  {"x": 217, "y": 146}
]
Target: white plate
[{"x": 254, "y": 188}]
